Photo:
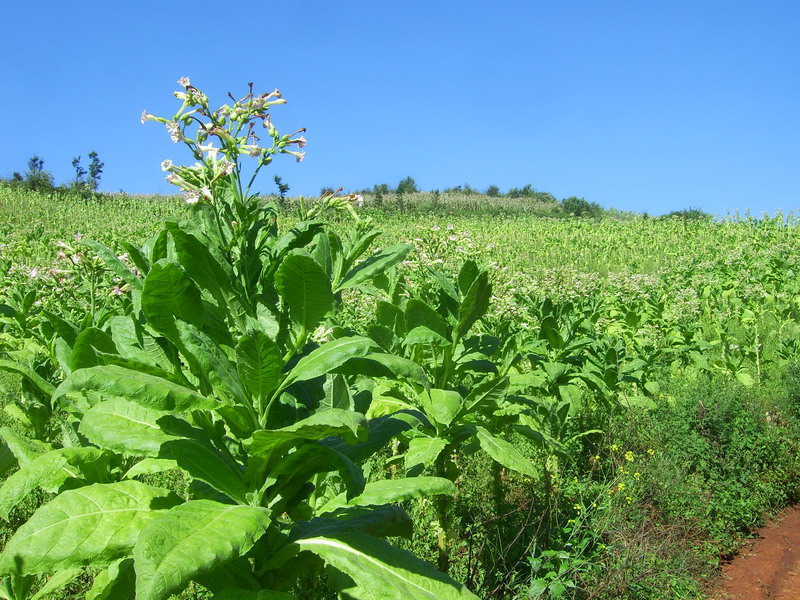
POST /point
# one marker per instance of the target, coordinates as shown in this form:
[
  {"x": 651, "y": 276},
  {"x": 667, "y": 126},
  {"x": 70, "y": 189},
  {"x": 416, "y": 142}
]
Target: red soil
[{"x": 769, "y": 566}]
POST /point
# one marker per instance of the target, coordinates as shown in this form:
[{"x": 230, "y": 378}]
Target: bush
[
  {"x": 705, "y": 468},
  {"x": 35, "y": 178},
  {"x": 580, "y": 207},
  {"x": 690, "y": 214},
  {"x": 407, "y": 186}
]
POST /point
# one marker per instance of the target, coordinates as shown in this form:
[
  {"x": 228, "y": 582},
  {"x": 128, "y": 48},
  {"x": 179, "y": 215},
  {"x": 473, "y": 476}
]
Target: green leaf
[
  {"x": 118, "y": 267},
  {"x": 388, "y": 491},
  {"x": 259, "y": 363},
  {"x": 296, "y": 469},
  {"x": 49, "y": 471},
  {"x": 204, "y": 462},
  {"x": 85, "y": 350},
  {"x": 190, "y": 539},
  {"x": 137, "y": 256},
  {"x": 234, "y": 594},
  {"x": 7, "y": 459},
  {"x": 548, "y": 330},
  {"x": 298, "y": 236},
  {"x": 41, "y": 384},
  {"x": 504, "y": 452},
  {"x": 133, "y": 343},
  {"x": 377, "y": 263},
  {"x": 638, "y": 401},
  {"x": 422, "y": 451},
  {"x": 381, "y": 431},
  {"x": 198, "y": 262},
  {"x": 305, "y": 288},
  {"x": 555, "y": 370},
  {"x": 387, "y": 520},
  {"x": 467, "y": 275},
  {"x": 745, "y": 378},
  {"x": 337, "y": 394},
  {"x": 419, "y": 314},
  {"x": 445, "y": 284},
  {"x": 210, "y": 361},
  {"x": 441, "y": 405},
  {"x": 491, "y": 391},
  {"x": 385, "y": 365},
  {"x": 169, "y": 293},
  {"x": 391, "y": 317},
  {"x": 335, "y": 421},
  {"x": 328, "y": 357},
  {"x": 149, "y": 466},
  {"x": 156, "y": 247},
  {"x": 56, "y": 582},
  {"x": 357, "y": 245},
  {"x": 111, "y": 381},
  {"x": 117, "y": 582},
  {"x": 571, "y": 394},
  {"x": 424, "y": 335},
  {"x": 93, "y": 526},
  {"x": 125, "y": 427},
  {"x": 24, "y": 450},
  {"x": 474, "y": 304},
  {"x": 387, "y": 572},
  {"x": 532, "y": 429},
  {"x": 129, "y": 428}
]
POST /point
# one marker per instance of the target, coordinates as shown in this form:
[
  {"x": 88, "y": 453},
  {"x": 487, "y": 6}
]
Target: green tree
[
  {"x": 36, "y": 178},
  {"x": 80, "y": 172},
  {"x": 95, "y": 170},
  {"x": 282, "y": 189},
  {"x": 581, "y": 207},
  {"x": 407, "y": 186}
]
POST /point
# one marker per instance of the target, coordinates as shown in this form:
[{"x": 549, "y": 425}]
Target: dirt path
[{"x": 769, "y": 566}]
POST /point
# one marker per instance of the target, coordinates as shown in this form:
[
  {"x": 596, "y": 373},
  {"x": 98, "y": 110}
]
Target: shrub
[
  {"x": 580, "y": 207},
  {"x": 407, "y": 186}
]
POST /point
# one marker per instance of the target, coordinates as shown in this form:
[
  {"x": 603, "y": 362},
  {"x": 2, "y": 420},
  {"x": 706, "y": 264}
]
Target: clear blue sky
[{"x": 637, "y": 105}]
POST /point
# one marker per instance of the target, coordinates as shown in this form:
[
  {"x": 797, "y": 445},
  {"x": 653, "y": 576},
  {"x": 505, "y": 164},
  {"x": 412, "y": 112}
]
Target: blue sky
[{"x": 636, "y": 105}]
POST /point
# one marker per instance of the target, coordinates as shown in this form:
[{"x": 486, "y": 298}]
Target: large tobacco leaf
[
  {"x": 305, "y": 288},
  {"x": 48, "y": 471},
  {"x": 191, "y": 539},
  {"x": 89, "y": 526},
  {"x": 135, "y": 430},
  {"x": 380, "y": 570},
  {"x": 112, "y": 381}
]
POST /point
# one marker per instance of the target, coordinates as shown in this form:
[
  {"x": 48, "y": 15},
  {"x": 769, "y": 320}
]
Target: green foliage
[
  {"x": 87, "y": 181},
  {"x": 283, "y": 188},
  {"x": 567, "y": 407},
  {"x": 690, "y": 214},
  {"x": 407, "y": 186},
  {"x": 580, "y": 207},
  {"x": 685, "y": 497},
  {"x": 35, "y": 179},
  {"x": 212, "y": 369}
]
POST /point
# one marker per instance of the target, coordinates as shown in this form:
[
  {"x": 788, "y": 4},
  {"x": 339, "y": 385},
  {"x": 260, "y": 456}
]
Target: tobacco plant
[{"x": 218, "y": 374}]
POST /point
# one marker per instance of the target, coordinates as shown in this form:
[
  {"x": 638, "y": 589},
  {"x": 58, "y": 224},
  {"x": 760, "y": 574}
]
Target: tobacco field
[{"x": 225, "y": 395}]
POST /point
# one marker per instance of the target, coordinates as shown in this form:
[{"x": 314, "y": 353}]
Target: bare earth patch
[{"x": 769, "y": 566}]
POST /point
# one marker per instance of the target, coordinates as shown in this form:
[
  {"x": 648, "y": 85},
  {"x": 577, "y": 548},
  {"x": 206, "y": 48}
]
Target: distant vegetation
[
  {"x": 37, "y": 179},
  {"x": 406, "y": 195}
]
